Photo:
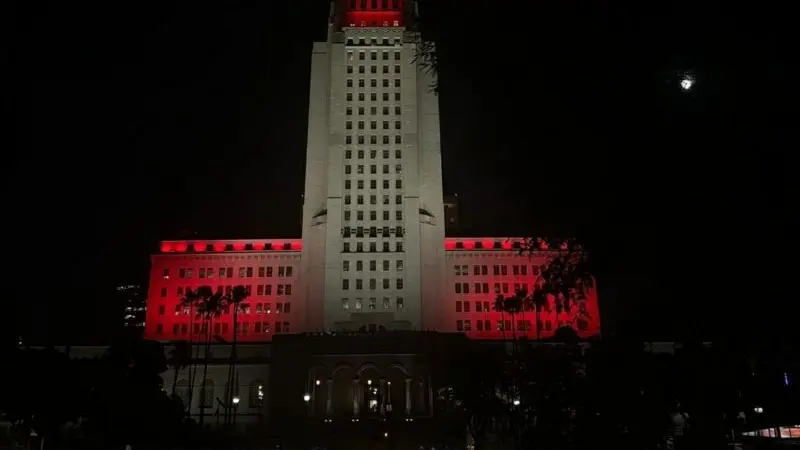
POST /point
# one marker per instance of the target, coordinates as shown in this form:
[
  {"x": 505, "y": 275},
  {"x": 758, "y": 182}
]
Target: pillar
[
  {"x": 382, "y": 405},
  {"x": 421, "y": 397},
  {"x": 408, "y": 396},
  {"x": 329, "y": 400},
  {"x": 355, "y": 396}
]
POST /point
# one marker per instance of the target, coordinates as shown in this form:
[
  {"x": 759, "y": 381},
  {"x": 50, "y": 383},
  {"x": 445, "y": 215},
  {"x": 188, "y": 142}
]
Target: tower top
[{"x": 373, "y": 13}]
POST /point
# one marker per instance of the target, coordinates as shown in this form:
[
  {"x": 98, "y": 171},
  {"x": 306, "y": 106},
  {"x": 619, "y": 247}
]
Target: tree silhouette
[{"x": 234, "y": 299}]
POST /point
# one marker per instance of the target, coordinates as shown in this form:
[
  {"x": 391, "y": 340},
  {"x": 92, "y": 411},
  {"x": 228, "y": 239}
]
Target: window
[
  {"x": 345, "y": 304},
  {"x": 399, "y": 303},
  {"x": 345, "y": 284}
]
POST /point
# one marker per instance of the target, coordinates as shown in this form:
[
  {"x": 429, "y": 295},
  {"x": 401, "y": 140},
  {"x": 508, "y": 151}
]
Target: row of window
[
  {"x": 374, "y": 41},
  {"x": 373, "y": 284},
  {"x": 348, "y": 154},
  {"x": 261, "y": 289},
  {"x": 373, "y": 83},
  {"x": 373, "y": 140},
  {"x": 522, "y": 325},
  {"x": 373, "y": 125},
  {"x": 361, "y": 232},
  {"x": 372, "y": 303},
  {"x": 483, "y": 288},
  {"x": 373, "y": 69},
  {"x": 373, "y": 184},
  {"x": 373, "y": 170},
  {"x": 227, "y": 272},
  {"x": 222, "y": 328},
  {"x": 373, "y": 199},
  {"x": 486, "y": 306},
  {"x": 373, "y": 4},
  {"x": 373, "y": 215},
  {"x": 373, "y": 55},
  {"x": 497, "y": 270},
  {"x": 373, "y": 247},
  {"x": 373, "y": 111},
  {"x": 244, "y": 309},
  {"x": 373, "y": 265}
]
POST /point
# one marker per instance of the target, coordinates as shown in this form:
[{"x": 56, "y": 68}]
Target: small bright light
[
  {"x": 686, "y": 83},
  {"x": 389, "y": 383},
  {"x": 236, "y": 400},
  {"x": 516, "y": 402},
  {"x": 306, "y": 397},
  {"x": 385, "y": 434},
  {"x": 758, "y": 409},
  {"x": 317, "y": 382}
]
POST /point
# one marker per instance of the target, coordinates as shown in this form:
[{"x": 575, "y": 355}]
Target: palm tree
[
  {"x": 528, "y": 305},
  {"x": 210, "y": 303},
  {"x": 513, "y": 305},
  {"x": 179, "y": 358},
  {"x": 539, "y": 300},
  {"x": 191, "y": 299},
  {"x": 234, "y": 299},
  {"x": 521, "y": 294},
  {"x": 499, "y": 306}
]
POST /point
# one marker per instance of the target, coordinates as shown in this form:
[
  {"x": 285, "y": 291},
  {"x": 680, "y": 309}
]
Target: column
[
  {"x": 408, "y": 396},
  {"x": 421, "y": 398},
  {"x": 355, "y": 396},
  {"x": 329, "y": 401},
  {"x": 382, "y": 405}
]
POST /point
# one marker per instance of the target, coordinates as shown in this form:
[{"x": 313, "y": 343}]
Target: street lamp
[
  {"x": 236, "y": 400},
  {"x": 306, "y": 398}
]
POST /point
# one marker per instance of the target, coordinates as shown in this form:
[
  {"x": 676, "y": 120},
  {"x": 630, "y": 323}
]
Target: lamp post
[{"x": 235, "y": 400}]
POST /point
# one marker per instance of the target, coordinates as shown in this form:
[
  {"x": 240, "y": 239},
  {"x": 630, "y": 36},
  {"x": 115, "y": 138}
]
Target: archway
[
  {"x": 370, "y": 387},
  {"x": 396, "y": 375},
  {"x": 342, "y": 398}
]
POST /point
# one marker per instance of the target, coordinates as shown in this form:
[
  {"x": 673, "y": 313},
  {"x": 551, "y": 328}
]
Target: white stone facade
[{"x": 373, "y": 215}]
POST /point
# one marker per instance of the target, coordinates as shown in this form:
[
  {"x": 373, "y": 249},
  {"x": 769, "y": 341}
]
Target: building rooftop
[{"x": 294, "y": 245}]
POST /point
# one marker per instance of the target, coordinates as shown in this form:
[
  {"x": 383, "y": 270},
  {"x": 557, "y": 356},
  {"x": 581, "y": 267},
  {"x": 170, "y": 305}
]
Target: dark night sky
[{"x": 135, "y": 120}]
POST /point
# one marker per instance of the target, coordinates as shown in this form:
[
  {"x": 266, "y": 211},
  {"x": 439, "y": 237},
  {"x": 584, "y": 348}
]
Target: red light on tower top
[{"x": 373, "y": 13}]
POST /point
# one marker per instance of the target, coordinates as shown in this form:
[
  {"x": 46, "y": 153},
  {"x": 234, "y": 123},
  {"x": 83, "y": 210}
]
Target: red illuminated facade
[
  {"x": 478, "y": 270},
  {"x": 268, "y": 268},
  {"x": 373, "y": 13}
]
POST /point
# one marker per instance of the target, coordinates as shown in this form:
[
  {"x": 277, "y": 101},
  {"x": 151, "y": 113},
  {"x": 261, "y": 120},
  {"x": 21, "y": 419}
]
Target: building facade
[{"x": 372, "y": 256}]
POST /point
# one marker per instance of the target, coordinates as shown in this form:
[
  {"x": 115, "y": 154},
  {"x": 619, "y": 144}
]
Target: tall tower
[{"x": 373, "y": 216}]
